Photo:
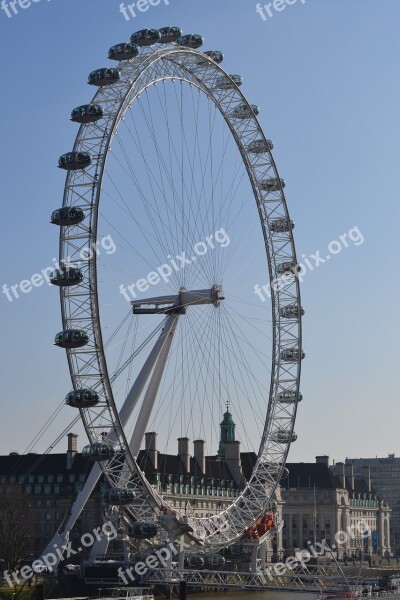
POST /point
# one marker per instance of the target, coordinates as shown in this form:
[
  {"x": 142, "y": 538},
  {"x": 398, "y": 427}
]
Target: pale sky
[{"x": 326, "y": 75}]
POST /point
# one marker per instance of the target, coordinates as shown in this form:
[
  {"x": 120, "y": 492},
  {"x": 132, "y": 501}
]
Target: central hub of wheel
[{"x": 178, "y": 303}]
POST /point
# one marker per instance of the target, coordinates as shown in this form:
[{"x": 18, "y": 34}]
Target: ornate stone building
[
  {"x": 314, "y": 502},
  {"x": 319, "y": 503}
]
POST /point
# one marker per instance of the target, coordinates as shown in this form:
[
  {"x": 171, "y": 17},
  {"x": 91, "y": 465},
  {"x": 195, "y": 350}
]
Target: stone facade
[{"x": 318, "y": 503}]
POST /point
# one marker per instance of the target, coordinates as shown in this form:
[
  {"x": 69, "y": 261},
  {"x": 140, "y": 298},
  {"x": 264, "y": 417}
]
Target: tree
[{"x": 16, "y": 525}]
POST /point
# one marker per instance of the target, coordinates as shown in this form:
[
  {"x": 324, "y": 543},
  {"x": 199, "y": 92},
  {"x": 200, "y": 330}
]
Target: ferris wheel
[{"x": 173, "y": 212}]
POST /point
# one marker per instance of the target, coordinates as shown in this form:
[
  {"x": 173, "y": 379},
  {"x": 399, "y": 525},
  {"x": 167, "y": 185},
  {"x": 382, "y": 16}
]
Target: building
[
  {"x": 51, "y": 482},
  {"x": 315, "y": 501},
  {"x": 318, "y": 503},
  {"x": 385, "y": 479}
]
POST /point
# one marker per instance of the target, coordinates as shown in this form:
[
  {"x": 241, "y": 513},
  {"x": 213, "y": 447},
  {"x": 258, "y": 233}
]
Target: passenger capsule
[
  {"x": 119, "y": 496},
  {"x": 288, "y": 268},
  {"x": 260, "y": 146},
  {"x": 291, "y": 311},
  {"x": 281, "y": 436},
  {"x": 84, "y": 398},
  {"x": 289, "y": 397},
  {"x": 146, "y": 37},
  {"x": 140, "y": 530},
  {"x": 193, "y": 41},
  {"x": 99, "y": 451},
  {"x": 66, "y": 277},
  {"x": 87, "y": 113},
  {"x": 214, "y": 561},
  {"x": 285, "y": 473},
  {"x": 245, "y": 111},
  {"x": 237, "y": 549},
  {"x": 124, "y": 51},
  {"x": 74, "y": 161},
  {"x": 215, "y": 55},
  {"x": 103, "y": 77},
  {"x": 68, "y": 215},
  {"x": 227, "y": 82},
  {"x": 273, "y": 184},
  {"x": 170, "y": 34},
  {"x": 281, "y": 225},
  {"x": 71, "y": 338},
  {"x": 195, "y": 561},
  {"x": 292, "y": 355}
]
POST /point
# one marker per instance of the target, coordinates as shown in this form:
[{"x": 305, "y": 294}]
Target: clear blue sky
[{"x": 326, "y": 75}]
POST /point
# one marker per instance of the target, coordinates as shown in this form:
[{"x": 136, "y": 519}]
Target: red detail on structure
[{"x": 260, "y": 527}]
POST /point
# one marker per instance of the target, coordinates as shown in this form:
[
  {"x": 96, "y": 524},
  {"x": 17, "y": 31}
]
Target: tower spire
[{"x": 227, "y": 430}]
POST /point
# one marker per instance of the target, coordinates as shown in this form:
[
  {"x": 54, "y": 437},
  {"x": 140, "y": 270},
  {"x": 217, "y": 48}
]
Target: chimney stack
[
  {"x": 183, "y": 452},
  {"x": 349, "y": 472},
  {"x": 322, "y": 460},
  {"x": 151, "y": 448},
  {"x": 339, "y": 472},
  {"x": 199, "y": 455},
  {"x": 366, "y": 476},
  {"x": 232, "y": 459},
  {"x": 72, "y": 449}
]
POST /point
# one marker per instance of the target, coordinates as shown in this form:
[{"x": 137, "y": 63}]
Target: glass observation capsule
[
  {"x": 99, "y": 451},
  {"x": 227, "y": 82},
  {"x": 66, "y": 277},
  {"x": 237, "y": 549},
  {"x": 142, "y": 530},
  {"x": 281, "y": 436},
  {"x": 214, "y": 560},
  {"x": 69, "y": 215},
  {"x": 74, "y": 161},
  {"x": 124, "y": 51},
  {"x": 87, "y": 113},
  {"x": 245, "y": 111},
  {"x": 215, "y": 55},
  {"x": 119, "y": 496},
  {"x": 292, "y": 354},
  {"x": 288, "y": 268},
  {"x": 71, "y": 338},
  {"x": 260, "y": 146},
  {"x": 285, "y": 473},
  {"x": 146, "y": 37},
  {"x": 84, "y": 398},
  {"x": 192, "y": 40},
  {"x": 281, "y": 225},
  {"x": 291, "y": 311},
  {"x": 195, "y": 561},
  {"x": 170, "y": 34},
  {"x": 273, "y": 184},
  {"x": 103, "y": 77},
  {"x": 289, "y": 397}
]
